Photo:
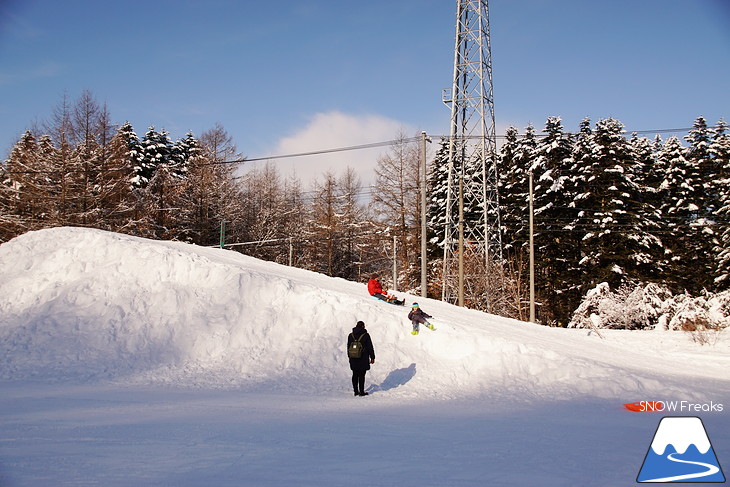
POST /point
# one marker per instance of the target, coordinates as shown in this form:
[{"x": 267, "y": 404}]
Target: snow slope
[{"x": 90, "y": 313}]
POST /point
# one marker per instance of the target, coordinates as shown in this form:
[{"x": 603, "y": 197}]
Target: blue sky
[{"x": 298, "y": 75}]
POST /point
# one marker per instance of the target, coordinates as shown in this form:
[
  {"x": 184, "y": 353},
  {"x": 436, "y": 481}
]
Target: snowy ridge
[{"x": 80, "y": 304}]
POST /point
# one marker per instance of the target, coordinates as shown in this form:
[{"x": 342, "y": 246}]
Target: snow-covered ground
[{"x": 129, "y": 362}]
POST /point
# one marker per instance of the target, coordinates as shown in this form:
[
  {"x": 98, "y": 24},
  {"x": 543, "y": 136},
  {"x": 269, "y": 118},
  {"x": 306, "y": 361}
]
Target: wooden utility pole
[
  {"x": 532, "y": 257},
  {"x": 424, "y": 215}
]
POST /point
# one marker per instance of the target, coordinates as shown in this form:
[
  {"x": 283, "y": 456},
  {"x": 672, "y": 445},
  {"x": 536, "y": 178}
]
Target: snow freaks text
[{"x": 674, "y": 407}]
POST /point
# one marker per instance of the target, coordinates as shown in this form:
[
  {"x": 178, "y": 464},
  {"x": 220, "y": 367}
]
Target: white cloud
[{"x": 331, "y": 131}]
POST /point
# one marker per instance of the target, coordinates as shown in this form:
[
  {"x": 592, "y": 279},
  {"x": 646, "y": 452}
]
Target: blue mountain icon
[{"x": 681, "y": 452}]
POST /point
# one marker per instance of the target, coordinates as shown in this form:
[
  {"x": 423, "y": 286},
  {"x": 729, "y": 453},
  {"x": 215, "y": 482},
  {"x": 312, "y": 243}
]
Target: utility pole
[
  {"x": 395, "y": 262},
  {"x": 461, "y": 240},
  {"x": 532, "y": 256},
  {"x": 424, "y": 226}
]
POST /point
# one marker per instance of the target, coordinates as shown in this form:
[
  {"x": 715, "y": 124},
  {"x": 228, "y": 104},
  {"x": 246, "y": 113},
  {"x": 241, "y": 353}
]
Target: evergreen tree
[
  {"x": 616, "y": 246},
  {"x": 689, "y": 237},
  {"x": 720, "y": 152},
  {"x": 722, "y": 279},
  {"x": 514, "y": 165},
  {"x": 648, "y": 173},
  {"x": 186, "y": 154},
  {"x": 700, "y": 155},
  {"x": 159, "y": 171},
  {"x": 437, "y": 195},
  {"x": 154, "y": 150},
  {"x": 513, "y": 186},
  {"x": 555, "y": 245}
]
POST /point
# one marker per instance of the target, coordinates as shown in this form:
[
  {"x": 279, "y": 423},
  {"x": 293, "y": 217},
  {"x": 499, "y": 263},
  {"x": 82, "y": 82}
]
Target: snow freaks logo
[
  {"x": 680, "y": 452},
  {"x": 674, "y": 407}
]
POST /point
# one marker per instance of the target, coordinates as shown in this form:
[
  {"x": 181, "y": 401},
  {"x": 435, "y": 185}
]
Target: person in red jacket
[{"x": 377, "y": 290}]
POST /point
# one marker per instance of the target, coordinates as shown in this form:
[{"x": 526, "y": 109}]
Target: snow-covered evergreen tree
[
  {"x": 154, "y": 150},
  {"x": 128, "y": 148},
  {"x": 185, "y": 154},
  {"x": 437, "y": 194},
  {"x": 648, "y": 173},
  {"x": 689, "y": 233},
  {"x": 182, "y": 151},
  {"x": 556, "y": 246},
  {"x": 513, "y": 168},
  {"x": 699, "y": 155},
  {"x": 616, "y": 246},
  {"x": 720, "y": 151},
  {"x": 162, "y": 168}
]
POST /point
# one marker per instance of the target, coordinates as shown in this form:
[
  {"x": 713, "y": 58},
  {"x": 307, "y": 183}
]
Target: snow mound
[{"x": 86, "y": 305}]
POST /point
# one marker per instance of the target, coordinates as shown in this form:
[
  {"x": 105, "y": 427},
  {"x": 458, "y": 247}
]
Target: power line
[
  {"x": 331, "y": 151},
  {"x": 411, "y": 140},
  {"x": 334, "y": 150}
]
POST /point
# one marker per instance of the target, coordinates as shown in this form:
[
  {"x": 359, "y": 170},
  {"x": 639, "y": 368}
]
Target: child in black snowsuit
[{"x": 418, "y": 316}]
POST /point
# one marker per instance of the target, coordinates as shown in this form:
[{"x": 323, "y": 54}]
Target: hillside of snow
[
  {"x": 79, "y": 304},
  {"x": 126, "y": 361}
]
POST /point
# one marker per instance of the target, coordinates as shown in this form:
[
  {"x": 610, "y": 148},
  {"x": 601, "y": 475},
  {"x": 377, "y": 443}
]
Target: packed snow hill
[
  {"x": 82, "y": 304},
  {"x": 126, "y": 361}
]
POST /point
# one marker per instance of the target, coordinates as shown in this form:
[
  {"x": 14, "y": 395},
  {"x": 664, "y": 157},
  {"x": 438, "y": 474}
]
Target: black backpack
[{"x": 354, "y": 350}]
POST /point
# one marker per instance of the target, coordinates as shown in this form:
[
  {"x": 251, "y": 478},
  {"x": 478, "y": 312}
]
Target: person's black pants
[{"x": 358, "y": 381}]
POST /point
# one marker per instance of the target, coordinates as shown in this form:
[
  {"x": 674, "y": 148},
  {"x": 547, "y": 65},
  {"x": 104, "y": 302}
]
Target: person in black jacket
[{"x": 361, "y": 365}]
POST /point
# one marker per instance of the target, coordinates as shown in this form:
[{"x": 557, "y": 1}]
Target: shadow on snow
[{"x": 395, "y": 379}]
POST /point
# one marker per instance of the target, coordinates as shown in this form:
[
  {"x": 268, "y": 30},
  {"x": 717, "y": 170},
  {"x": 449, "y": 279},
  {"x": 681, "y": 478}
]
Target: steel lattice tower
[{"x": 472, "y": 203}]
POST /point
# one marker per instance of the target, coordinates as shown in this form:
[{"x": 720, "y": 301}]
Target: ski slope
[{"x": 127, "y": 361}]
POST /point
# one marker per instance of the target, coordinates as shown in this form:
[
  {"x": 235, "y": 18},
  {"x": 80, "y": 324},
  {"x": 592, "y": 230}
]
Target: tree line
[
  {"x": 608, "y": 208},
  {"x": 79, "y": 169},
  {"x": 625, "y": 211}
]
